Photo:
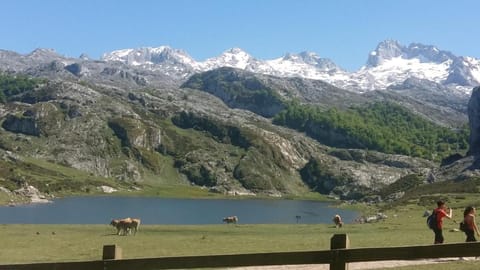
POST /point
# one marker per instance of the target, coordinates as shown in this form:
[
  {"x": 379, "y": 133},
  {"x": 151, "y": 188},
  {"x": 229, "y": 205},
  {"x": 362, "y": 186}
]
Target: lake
[{"x": 100, "y": 210}]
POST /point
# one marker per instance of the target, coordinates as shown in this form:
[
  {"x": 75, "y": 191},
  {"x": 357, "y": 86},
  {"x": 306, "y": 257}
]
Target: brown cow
[
  {"x": 133, "y": 225},
  {"x": 126, "y": 225},
  {"x": 232, "y": 219},
  {"x": 338, "y": 221}
]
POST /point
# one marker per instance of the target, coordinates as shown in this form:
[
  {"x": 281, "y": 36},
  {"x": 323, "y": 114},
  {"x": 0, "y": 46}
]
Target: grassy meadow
[{"x": 24, "y": 243}]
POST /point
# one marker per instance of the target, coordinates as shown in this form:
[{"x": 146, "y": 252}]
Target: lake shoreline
[
  {"x": 31, "y": 195},
  {"x": 154, "y": 210}
]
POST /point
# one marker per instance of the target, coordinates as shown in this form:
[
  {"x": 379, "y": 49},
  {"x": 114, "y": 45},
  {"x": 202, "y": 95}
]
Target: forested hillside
[{"x": 384, "y": 127}]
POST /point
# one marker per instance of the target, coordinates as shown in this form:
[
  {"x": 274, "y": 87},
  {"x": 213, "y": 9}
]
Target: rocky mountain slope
[
  {"x": 129, "y": 124},
  {"x": 138, "y": 137}
]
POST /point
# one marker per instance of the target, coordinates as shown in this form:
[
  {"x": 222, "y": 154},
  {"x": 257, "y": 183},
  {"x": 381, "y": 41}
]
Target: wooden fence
[{"x": 337, "y": 257}]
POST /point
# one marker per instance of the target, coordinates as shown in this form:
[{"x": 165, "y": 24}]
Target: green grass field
[
  {"x": 45, "y": 243},
  {"x": 25, "y": 243}
]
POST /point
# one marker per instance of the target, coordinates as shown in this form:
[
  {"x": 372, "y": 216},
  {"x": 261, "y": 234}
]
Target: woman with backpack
[
  {"x": 440, "y": 213},
  {"x": 470, "y": 225}
]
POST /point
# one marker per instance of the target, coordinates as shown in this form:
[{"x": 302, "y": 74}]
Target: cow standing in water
[{"x": 232, "y": 219}]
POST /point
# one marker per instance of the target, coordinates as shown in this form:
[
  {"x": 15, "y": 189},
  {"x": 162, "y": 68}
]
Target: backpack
[
  {"x": 432, "y": 220},
  {"x": 463, "y": 226}
]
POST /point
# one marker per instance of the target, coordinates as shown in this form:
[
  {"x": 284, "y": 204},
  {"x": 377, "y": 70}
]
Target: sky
[{"x": 345, "y": 31}]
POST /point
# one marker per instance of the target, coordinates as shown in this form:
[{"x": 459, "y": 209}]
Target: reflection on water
[{"x": 100, "y": 210}]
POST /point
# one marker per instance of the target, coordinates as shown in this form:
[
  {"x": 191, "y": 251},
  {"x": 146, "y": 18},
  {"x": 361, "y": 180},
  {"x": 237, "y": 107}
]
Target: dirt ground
[{"x": 353, "y": 266}]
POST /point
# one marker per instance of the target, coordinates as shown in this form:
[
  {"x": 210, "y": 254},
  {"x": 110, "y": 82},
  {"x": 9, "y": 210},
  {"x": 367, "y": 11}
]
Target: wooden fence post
[
  {"x": 339, "y": 241},
  {"x": 112, "y": 252}
]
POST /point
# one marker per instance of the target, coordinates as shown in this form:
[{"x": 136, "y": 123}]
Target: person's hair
[
  {"x": 440, "y": 203},
  {"x": 467, "y": 210}
]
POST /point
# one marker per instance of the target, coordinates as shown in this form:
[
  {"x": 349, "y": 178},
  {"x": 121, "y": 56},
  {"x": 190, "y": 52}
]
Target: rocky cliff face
[
  {"x": 25, "y": 125},
  {"x": 474, "y": 121},
  {"x": 238, "y": 89},
  {"x": 461, "y": 168}
]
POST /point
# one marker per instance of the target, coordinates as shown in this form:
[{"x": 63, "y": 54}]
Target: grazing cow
[
  {"x": 114, "y": 223},
  {"x": 126, "y": 226},
  {"x": 133, "y": 225},
  {"x": 338, "y": 221},
  {"x": 232, "y": 219},
  {"x": 119, "y": 224}
]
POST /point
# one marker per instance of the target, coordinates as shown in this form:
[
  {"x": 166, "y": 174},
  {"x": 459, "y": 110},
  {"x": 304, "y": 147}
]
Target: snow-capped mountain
[
  {"x": 171, "y": 61},
  {"x": 464, "y": 71},
  {"x": 389, "y": 64},
  {"x": 392, "y": 63},
  {"x": 307, "y": 65},
  {"x": 150, "y": 56},
  {"x": 304, "y": 64},
  {"x": 390, "y": 49},
  {"x": 235, "y": 57}
]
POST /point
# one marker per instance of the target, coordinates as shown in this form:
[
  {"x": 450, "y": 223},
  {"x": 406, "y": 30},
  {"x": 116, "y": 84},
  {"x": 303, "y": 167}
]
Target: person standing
[
  {"x": 440, "y": 214},
  {"x": 470, "y": 224}
]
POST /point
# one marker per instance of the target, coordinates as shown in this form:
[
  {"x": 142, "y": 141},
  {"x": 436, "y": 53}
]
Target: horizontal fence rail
[
  {"x": 413, "y": 252},
  {"x": 337, "y": 257},
  {"x": 310, "y": 257}
]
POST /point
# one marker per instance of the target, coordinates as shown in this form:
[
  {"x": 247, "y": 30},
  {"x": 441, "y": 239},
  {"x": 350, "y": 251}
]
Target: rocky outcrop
[
  {"x": 77, "y": 69},
  {"x": 459, "y": 168},
  {"x": 122, "y": 74},
  {"x": 474, "y": 121},
  {"x": 24, "y": 124},
  {"x": 32, "y": 194},
  {"x": 238, "y": 89},
  {"x": 107, "y": 189},
  {"x": 132, "y": 132}
]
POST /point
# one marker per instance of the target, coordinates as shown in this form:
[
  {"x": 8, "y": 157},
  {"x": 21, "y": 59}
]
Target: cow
[
  {"x": 126, "y": 226},
  {"x": 133, "y": 225},
  {"x": 338, "y": 221},
  {"x": 232, "y": 219},
  {"x": 120, "y": 225},
  {"x": 115, "y": 223}
]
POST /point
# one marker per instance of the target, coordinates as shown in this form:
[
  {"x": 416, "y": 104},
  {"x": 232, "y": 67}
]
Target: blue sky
[{"x": 342, "y": 30}]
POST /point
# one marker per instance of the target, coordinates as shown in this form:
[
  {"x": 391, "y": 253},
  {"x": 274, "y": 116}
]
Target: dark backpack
[
  {"x": 463, "y": 226},
  {"x": 432, "y": 220}
]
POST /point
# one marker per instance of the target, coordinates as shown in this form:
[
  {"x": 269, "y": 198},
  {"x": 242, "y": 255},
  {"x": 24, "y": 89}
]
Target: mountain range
[
  {"x": 234, "y": 124},
  {"x": 388, "y": 65}
]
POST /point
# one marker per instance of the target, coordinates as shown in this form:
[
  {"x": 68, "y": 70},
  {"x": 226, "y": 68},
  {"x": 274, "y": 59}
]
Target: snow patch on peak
[
  {"x": 397, "y": 69},
  {"x": 235, "y": 57},
  {"x": 148, "y": 56},
  {"x": 304, "y": 64},
  {"x": 159, "y": 49},
  {"x": 236, "y": 50},
  {"x": 116, "y": 55},
  {"x": 474, "y": 66}
]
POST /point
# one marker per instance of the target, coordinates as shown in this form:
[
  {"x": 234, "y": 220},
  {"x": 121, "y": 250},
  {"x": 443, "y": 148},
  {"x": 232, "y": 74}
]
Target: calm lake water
[{"x": 100, "y": 210}]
